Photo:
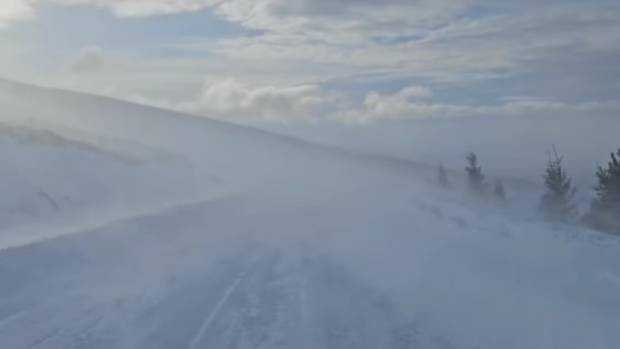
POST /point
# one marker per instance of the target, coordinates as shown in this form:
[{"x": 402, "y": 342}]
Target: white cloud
[
  {"x": 15, "y": 10},
  {"x": 377, "y": 105},
  {"x": 407, "y": 105},
  {"x": 144, "y": 8},
  {"x": 414, "y": 92},
  {"x": 233, "y": 99},
  {"x": 440, "y": 40},
  {"x": 337, "y": 32},
  {"x": 345, "y": 21}
]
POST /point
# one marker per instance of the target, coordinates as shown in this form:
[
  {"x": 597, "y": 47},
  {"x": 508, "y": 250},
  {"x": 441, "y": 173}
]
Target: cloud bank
[{"x": 232, "y": 99}]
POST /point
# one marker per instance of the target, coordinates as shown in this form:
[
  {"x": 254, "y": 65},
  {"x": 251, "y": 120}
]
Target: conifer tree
[
  {"x": 499, "y": 191},
  {"x": 605, "y": 210},
  {"x": 475, "y": 178},
  {"x": 442, "y": 177},
  {"x": 556, "y": 202}
]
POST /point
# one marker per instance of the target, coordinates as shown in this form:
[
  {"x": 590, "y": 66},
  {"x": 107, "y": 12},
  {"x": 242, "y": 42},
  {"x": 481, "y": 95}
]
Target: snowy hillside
[
  {"x": 75, "y": 159},
  {"x": 162, "y": 230}
]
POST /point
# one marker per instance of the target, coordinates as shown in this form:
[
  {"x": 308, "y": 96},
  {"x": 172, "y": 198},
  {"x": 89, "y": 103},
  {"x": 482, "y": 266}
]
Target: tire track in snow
[
  {"x": 350, "y": 313},
  {"x": 209, "y": 319}
]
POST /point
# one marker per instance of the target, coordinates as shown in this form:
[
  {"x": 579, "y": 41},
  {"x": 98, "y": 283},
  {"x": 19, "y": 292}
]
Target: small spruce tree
[
  {"x": 499, "y": 191},
  {"x": 605, "y": 210},
  {"x": 475, "y": 178},
  {"x": 442, "y": 177},
  {"x": 556, "y": 202}
]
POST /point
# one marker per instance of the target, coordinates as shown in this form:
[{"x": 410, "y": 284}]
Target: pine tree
[
  {"x": 557, "y": 203},
  {"x": 605, "y": 210},
  {"x": 475, "y": 178},
  {"x": 499, "y": 191},
  {"x": 442, "y": 177}
]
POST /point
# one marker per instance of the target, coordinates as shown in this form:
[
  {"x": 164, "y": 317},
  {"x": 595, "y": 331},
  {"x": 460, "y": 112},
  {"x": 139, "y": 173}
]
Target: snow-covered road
[
  {"x": 165, "y": 281},
  {"x": 293, "y": 270}
]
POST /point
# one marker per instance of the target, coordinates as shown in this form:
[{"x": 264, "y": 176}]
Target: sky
[{"x": 348, "y": 61}]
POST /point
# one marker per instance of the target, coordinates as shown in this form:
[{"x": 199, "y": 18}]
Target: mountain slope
[
  {"x": 74, "y": 156},
  {"x": 111, "y": 157}
]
